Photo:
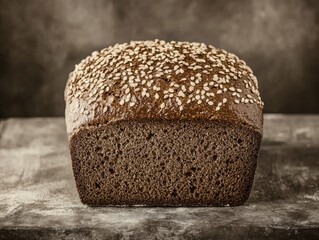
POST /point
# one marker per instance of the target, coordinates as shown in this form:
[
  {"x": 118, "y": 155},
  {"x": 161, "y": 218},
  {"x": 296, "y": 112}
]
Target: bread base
[{"x": 165, "y": 163}]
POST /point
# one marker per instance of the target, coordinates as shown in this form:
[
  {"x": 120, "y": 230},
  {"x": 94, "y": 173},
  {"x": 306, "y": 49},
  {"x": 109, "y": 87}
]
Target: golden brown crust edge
[{"x": 162, "y": 80}]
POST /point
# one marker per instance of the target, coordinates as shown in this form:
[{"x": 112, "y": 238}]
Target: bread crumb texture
[
  {"x": 157, "y": 163},
  {"x": 168, "y": 76}
]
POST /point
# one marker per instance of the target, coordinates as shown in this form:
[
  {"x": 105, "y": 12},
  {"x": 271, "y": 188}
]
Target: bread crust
[{"x": 166, "y": 80}]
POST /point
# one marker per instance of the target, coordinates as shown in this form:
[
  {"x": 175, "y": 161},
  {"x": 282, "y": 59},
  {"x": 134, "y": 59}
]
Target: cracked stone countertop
[{"x": 38, "y": 198}]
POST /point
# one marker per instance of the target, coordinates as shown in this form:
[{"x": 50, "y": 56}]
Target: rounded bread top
[{"x": 162, "y": 80}]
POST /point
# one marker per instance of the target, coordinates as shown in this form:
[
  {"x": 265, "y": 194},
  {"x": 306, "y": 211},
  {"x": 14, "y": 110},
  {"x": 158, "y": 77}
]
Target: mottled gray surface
[
  {"x": 38, "y": 198},
  {"x": 42, "y": 40}
]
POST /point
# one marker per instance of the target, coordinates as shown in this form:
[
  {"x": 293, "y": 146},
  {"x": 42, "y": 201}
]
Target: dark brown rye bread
[{"x": 163, "y": 123}]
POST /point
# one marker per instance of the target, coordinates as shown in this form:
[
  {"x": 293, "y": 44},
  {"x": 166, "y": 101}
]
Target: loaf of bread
[{"x": 160, "y": 123}]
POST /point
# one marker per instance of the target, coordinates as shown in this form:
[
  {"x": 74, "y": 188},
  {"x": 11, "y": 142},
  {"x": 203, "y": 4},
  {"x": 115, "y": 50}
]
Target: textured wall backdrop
[{"x": 40, "y": 41}]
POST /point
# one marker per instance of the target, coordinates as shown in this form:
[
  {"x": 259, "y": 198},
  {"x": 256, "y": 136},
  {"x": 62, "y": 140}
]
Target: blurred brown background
[{"x": 41, "y": 41}]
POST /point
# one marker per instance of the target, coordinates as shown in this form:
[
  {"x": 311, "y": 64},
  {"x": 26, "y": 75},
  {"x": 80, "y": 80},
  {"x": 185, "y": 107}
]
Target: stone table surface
[{"x": 38, "y": 197}]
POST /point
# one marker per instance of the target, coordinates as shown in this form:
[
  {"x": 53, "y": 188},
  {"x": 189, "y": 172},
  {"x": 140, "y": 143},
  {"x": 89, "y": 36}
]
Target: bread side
[
  {"x": 162, "y": 80},
  {"x": 165, "y": 163}
]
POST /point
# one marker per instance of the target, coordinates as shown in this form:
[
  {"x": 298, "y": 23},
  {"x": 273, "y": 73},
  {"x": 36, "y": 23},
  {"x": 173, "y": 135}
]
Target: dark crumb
[{"x": 159, "y": 163}]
